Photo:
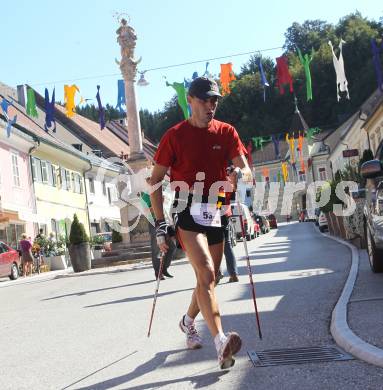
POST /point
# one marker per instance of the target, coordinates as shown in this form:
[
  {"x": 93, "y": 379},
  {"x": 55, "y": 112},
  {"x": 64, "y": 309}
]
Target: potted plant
[
  {"x": 79, "y": 248},
  {"x": 54, "y": 253},
  {"x": 97, "y": 243}
]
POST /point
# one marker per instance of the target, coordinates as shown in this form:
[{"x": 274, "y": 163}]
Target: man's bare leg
[
  {"x": 216, "y": 252},
  {"x": 201, "y": 258}
]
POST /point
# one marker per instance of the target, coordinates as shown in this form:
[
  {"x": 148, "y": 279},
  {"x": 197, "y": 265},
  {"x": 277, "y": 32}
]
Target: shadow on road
[
  {"x": 139, "y": 298},
  {"x": 81, "y": 293},
  {"x": 156, "y": 362}
]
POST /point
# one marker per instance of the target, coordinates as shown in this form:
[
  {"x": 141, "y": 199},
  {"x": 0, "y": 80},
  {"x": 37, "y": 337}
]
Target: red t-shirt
[{"x": 188, "y": 150}]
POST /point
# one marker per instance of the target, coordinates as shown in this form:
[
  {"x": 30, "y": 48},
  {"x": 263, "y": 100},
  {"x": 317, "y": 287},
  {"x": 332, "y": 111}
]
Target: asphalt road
[{"x": 89, "y": 331}]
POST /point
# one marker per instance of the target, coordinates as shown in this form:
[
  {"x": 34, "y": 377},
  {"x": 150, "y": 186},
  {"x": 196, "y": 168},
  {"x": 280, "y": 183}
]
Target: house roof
[
  {"x": 29, "y": 125},
  {"x": 267, "y": 153},
  {"x": 112, "y": 141}
]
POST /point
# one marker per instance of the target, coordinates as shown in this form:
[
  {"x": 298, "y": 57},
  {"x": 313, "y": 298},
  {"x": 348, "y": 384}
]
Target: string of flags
[{"x": 226, "y": 76}]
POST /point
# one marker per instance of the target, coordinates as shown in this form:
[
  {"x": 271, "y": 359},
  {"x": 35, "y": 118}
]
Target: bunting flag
[
  {"x": 49, "y": 111},
  {"x": 259, "y": 141},
  {"x": 283, "y": 74},
  {"x": 101, "y": 110},
  {"x": 264, "y": 81},
  {"x": 291, "y": 142},
  {"x": 305, "y": 61},
  {"x": 311, "y": 132},
  {"x": 207, "y": 73},
  {"x": 341, "y": 81},
  {"x": 376, "y": 50},
  {"x": 10, "y": 123},
  {"x": 69, "y": 97},
  {"x": 285, "y": 171},
  {"x": 227, "y": 76},
  {"x": 121, "y": 95},
  {"x": 294, "y": 165},
  {"x": 4, "y": 106},
  {"x": 300, "y": 152},
  {"x": 276, "y": 139},
  {"x": 181, "y": 95},
  {"x": 31, "y": 103}
]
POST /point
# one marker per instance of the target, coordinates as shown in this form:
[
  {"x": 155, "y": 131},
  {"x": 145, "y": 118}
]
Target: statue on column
[{"x": 126, "y": 37}]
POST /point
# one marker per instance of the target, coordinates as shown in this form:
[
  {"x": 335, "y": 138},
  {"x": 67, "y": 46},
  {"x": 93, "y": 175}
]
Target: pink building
[{"x": 17, "y": 203}]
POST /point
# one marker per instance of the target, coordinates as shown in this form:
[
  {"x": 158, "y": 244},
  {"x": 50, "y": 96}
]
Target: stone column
[{"x": 126, "y": 37}]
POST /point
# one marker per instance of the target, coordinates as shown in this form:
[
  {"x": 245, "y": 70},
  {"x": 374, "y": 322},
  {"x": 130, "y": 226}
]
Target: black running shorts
[{"x": 185, "y": 221}]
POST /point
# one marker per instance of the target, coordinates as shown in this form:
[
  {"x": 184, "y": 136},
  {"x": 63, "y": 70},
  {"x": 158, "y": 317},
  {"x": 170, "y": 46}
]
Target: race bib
[{"x": 206, "y": 214}]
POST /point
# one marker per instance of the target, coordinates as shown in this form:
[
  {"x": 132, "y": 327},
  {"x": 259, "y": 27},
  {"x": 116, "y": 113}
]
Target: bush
[
  {"x": 77, "y": 232},
  {"x": 97, "y": 242},
  {"x": 116, "y": 236}
]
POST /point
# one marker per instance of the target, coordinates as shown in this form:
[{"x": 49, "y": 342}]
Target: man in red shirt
[{"x": 197, "y": 151}]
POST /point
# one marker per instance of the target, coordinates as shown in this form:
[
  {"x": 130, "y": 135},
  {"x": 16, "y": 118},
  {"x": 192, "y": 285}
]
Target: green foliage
[
  {"x": 77, "y": 232},
  {"x": 97, "y": 242},
  {"x": 51, "y": 247},
  {"x": 330, "y": 186},
  {"x": 116, "y": 236}
]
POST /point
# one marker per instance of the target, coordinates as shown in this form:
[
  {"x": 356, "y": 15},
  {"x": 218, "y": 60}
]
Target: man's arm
[
  {"x": 241, "y": 163},
  {"x": 158, "y": 174}
]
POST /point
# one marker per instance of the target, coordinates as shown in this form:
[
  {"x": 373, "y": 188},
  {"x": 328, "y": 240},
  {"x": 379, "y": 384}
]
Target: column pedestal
[{"x": 129, "y": 214}]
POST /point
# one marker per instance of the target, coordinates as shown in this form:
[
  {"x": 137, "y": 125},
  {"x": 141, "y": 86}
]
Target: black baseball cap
[{"x": 203, "y": 88}]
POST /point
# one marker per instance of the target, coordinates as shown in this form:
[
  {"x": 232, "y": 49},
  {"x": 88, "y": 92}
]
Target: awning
[{"x": 6, "y": 216}]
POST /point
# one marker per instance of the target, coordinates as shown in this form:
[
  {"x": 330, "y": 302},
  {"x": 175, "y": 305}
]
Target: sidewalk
[{"x": 358, "y": 315}]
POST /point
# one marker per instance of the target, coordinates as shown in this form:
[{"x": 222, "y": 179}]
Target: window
[
  {"x": 322, "y": 173},
  {"x": 15, "y": 170},
  {"x": 81, "y": 185},
  {"x": 68, "y": 180},
  {"x": 63, "y": 179},
  {"x": 53, "y": 173},
  {"x": 109, "y": 196},
  {"x": 44, "y": 171},
  {"x": 104, "y": 187},
  {"x": 91, "y": 185},
  {"x": 77, "y": 182},
  {"x": 302, "y": 176}
]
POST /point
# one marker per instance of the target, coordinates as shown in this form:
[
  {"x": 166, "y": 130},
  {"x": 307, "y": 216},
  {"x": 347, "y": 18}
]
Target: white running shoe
[
  {"x": 227, "y": 349},
  {"x": 193, "y": 339}
]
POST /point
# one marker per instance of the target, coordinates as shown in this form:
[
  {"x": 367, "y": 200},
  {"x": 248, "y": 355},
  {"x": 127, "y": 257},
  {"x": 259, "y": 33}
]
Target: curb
[{"x": 340, "y": 330}]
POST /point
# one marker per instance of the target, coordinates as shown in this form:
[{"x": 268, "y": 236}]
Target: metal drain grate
[{"x": 276, "y": 357}]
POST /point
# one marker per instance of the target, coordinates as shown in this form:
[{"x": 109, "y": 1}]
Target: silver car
[{"x": 373, "y": 213}]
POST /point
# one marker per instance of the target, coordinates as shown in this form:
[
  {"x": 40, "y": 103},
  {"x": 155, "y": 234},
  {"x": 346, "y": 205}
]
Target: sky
[{"x": 50, "y": 43}]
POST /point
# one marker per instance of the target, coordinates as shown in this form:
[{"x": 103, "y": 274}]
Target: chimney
[{"x": 21, "y": 95}]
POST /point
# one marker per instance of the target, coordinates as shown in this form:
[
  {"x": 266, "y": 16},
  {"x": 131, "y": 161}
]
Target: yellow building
[{"x": 58, "y": 179}]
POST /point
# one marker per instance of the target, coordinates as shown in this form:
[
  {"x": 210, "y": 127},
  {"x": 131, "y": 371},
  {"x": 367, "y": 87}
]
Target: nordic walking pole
[
  {"x": 249, "y": 266},
  {"x": 162, "y": 254}
]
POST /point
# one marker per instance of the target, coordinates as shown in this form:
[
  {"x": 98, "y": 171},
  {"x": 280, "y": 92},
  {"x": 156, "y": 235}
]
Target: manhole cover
[{"x": 276, "y": 357}]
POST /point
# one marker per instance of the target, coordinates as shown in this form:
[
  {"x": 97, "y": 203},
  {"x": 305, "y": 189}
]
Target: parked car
[
  {"x": 247, "y": 221},
  {"x": 322, "y": 221},
  {"x": 373, "y": 213},
  {"x": 272, "y": 221},
  {"x": 263, "y": 223},
  {"x": 9, "y": 261}
]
